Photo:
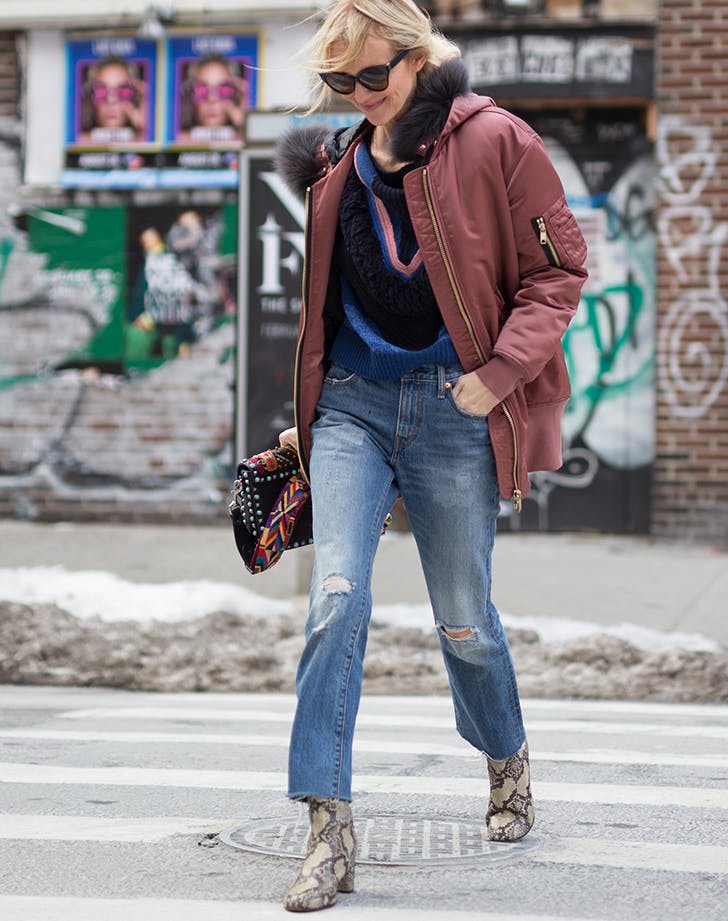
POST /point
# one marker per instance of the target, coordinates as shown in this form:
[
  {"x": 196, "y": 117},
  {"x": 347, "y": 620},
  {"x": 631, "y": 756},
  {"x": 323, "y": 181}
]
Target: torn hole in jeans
[
  {"x": 337, "y": 584},
  {"x": 458, "y": 633}
]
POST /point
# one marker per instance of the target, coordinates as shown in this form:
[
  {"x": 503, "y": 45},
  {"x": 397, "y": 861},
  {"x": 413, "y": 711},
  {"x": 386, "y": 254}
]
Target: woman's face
[
  {"x": 214, "y": 95},
  {"x": 385, "y": 106},
  {"x": 113, "y": 96}
]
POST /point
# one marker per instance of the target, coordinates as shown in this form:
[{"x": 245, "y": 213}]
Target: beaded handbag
[{"x": 271, "y": 508}]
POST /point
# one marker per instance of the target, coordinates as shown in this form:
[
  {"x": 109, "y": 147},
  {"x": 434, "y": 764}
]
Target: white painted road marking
[
  {"x": 628, "y": 855},
  {"x": 458, "y": 749},
  {"x": 392, "y": 721},
  {"x": 61, "y": 698},
  {"x": 25, "y": 908},
  {"x": 95, "y": 828},
  {"x": 625, "y": 794},
  {"x": 635, "y": 855}
]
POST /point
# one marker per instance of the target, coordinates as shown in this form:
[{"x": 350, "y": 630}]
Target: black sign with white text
[
  {"x": 574, "y": 63},
  {"x": 272, "y": 237}
]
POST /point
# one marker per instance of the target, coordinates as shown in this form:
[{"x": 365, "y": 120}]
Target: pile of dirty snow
[{"x": 94, "y": 628}]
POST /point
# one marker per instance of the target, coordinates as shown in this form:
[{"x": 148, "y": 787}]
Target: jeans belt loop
[{"x": 441, "y": 377}]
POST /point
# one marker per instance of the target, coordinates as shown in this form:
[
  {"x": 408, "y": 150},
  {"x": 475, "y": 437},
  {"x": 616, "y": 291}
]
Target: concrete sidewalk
[{"x": 606, "y": 580}]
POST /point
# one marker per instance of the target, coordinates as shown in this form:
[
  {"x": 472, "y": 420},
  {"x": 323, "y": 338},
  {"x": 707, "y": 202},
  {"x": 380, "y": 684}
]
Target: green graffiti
[
  {"x": 7, "y": 244},
  {"x": 610, "y": 333}
]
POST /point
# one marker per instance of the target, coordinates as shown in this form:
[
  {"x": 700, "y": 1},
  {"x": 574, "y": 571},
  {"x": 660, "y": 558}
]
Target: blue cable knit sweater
[{"x": 392, "y": 323}]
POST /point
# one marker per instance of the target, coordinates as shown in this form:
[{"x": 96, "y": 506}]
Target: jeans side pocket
[
  {"x": 338, "y": 375},
  {"x": 463, "y": 412}
]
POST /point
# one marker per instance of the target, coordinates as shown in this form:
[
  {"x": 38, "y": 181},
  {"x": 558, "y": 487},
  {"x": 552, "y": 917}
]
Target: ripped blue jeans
[{"x": 373, "y": 440}]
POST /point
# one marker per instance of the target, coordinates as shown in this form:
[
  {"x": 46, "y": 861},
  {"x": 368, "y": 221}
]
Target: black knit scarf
[{"x": 404, "y": 310}]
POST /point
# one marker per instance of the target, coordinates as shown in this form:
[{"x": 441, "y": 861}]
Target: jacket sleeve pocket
[{"x": 559, "y": 236}]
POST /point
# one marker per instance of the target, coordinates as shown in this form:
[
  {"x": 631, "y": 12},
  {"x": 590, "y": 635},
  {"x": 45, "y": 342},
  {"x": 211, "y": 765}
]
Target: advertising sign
[
  {"x": 167, "y": 114},
  {"x": 211, "y": 85},
  {"x": 577, "y": 63},
  {"x": 272, "y": 248},
  {"x": 151, "y": 280},
  {"x": 112, "y": 92}
]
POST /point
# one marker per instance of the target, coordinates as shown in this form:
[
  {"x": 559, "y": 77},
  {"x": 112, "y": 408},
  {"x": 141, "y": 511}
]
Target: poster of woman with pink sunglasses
[
  {"x": 212, "y": 85},
  {"x": 112, "y": 92}
]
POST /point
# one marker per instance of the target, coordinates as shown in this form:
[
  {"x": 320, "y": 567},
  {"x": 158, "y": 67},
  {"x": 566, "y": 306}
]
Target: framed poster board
[
  {"x": 112, "y": 92},
  {"x": 211, "y": 84}
]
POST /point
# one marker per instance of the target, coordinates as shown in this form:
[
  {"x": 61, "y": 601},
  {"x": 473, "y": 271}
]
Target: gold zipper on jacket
[
  {"x": 299, "y": 344},
  {"x": 448, "y": 268},
  {"x": 546, "y": 242},
  {"x": 517, "y": 494}
]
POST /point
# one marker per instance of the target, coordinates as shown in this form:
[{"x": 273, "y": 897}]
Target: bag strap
[{"x": 276, "y": 532}]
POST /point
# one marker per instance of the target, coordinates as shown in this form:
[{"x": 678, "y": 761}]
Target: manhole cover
[{"x": 394, "y": 840}]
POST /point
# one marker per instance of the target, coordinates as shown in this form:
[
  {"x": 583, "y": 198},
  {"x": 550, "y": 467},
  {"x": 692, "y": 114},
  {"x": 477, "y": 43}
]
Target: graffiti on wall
[
  {"x": 694, "y": 334},
  {"x": 116, "y": 340},
  {"x": 120, "y": 366},
  {"x": 605, "y": 163}
]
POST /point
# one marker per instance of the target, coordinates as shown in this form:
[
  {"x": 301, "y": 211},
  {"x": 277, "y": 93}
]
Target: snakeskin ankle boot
[
  {"x": 510, "y": 811},
  {"x": 329, "y": 864}
]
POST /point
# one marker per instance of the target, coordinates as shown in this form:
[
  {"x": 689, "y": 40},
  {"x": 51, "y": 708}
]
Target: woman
[
  {"x": 213, "y": 101},
  {"x": 114, "y": 103},
  {"x": 443, "y": 266}
]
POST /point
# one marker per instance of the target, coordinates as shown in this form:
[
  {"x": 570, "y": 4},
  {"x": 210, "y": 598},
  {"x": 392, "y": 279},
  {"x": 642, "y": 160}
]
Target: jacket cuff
[{"x": 500, "y": 375}]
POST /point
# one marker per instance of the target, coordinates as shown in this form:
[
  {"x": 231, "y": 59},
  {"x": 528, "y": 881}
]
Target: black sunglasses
[{"x": 374, "y": 78}]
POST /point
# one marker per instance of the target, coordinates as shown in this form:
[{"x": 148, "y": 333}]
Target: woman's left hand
[{"x": 473, "y": 396}]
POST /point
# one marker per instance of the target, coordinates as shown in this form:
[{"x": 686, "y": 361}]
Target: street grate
[{"x": 386, "y": 840}]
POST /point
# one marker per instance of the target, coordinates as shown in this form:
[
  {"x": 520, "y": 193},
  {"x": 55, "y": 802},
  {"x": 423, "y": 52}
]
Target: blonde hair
[{"x": 350, "y": 22}]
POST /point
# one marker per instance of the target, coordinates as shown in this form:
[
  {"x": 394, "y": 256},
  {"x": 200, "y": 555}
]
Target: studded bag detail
[{"x": 271, "y": 508}]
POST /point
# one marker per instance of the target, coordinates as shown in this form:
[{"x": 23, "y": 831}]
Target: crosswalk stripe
[
  {"x": 363, "y": 744},
  {"x": 642, "y": 855},
  {"x": 584, "y": 851},
  {"x": 623, "y": 707},
  {"x": 97, "y": 828},
  {"x": 690, "y": 797},
  {"x": 393, "y": 721},
  {"x": 22, "y": 696},
  {"x": 456, "y": 749},
  {"x": 635, "y": 855},
  {"x": 37, "y": 908}
]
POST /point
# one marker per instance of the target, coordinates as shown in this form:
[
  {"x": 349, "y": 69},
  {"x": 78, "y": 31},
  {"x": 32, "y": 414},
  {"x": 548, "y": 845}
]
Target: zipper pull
[
  {"x": 544, "y": 237},
  {"x": 517, "y": 500}
]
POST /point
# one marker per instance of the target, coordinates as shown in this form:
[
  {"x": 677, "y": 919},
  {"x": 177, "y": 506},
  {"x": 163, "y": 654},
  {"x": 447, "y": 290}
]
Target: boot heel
[
  {"x": 331, "y": 848},
  {"x": 347, "y": 882}
]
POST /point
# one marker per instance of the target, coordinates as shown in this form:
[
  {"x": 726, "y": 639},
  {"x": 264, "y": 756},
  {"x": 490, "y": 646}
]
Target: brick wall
[
  {"x": 691, "y": 470},
  {"x": 9, "y": 114},
  {"x": 8, "y": 76}
]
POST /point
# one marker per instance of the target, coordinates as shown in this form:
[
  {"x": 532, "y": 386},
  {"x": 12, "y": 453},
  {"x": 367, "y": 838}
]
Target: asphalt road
[{"x": 112, "y": 803}]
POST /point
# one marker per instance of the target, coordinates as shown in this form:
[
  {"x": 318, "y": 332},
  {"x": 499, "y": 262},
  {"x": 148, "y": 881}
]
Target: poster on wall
[
  {"x": 112, "y": 92},
  {"x": 181, "y": 270},
  {"x": 211, "y": 84},
  {"x": 149, "y": 281}
]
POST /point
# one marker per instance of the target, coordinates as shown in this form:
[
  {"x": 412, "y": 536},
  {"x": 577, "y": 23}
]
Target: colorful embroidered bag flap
[{"x": 271, "y": 508}]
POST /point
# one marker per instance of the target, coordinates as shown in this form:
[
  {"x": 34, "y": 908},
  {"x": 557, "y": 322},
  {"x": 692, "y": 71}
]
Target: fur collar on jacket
[{"x": 303, "y": 153}]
